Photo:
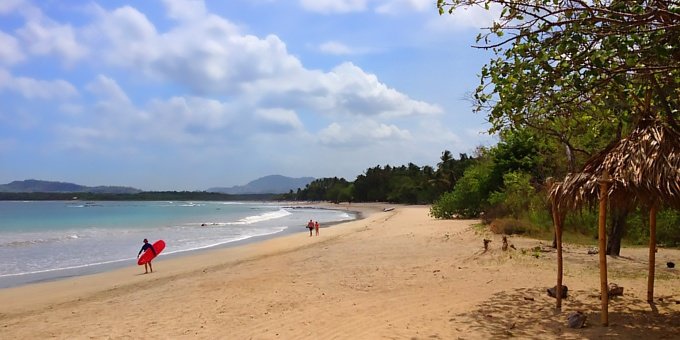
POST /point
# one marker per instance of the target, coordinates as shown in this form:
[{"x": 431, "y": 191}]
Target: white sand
[{"x": 395, "y": 275}]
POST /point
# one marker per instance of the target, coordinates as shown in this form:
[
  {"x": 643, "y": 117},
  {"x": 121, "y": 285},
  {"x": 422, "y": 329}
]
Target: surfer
[{"x": 146, "y": 246}]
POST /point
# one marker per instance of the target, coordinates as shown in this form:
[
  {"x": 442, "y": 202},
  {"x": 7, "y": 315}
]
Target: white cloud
[
  {"x": 405, "y": 6},
  {"x": 333, "y": 6},
  {"x": 217, "y": 63},
  {"x": 125, "y": 37},
  {"x": 185, "y": 9},
  {"x": 358, "y": 93},
  {"x": 108, "y": 89},
  {"x": 9, "y": 6},
  {"x": 187, "y": 117},
  {"x": 224, "y": 61},
  {"x": 361, "y": 133},
  {"x": 37, "y": 89},
  {"x": 44, "y": 37},
  {"x": 278, "y": 120},
  {"x": 10, "y": 51},
  {"x": 334, "y": 47}
]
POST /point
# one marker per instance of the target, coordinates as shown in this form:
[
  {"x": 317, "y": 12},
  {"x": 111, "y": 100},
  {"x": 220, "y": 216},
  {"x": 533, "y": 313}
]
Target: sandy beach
[{"x": 396, "y": 274}]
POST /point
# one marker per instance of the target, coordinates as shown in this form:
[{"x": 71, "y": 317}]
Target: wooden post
[
  {"x": 558, "y": 236},
  {"x": 652, "y": 253},
  {"x": 602, "y": 238}
]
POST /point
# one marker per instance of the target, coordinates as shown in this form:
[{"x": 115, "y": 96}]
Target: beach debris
[
  {"x": 615, "y": 290},
  {"x": 576, "y": 319},
  {"x": 505, "y": 243},
  {"x": 486, "y": 244},
  {"x": 513, "y": 246},
  {"x": 670, "y": 264},
  {"x": 552, "y": 292},
  {"x": 388, "y": 209},
  {"x": 593, "y": 251}
]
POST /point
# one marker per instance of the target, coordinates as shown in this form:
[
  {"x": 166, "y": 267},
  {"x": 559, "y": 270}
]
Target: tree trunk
[
  {"x": 618, "y": 228},
  {"x": 571, "y": 160}
]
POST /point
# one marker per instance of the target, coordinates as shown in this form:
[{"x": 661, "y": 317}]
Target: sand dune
[{"x": 393, "y": 275}]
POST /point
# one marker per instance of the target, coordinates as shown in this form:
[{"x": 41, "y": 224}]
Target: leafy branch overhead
[{"x": 569, "y": 67}]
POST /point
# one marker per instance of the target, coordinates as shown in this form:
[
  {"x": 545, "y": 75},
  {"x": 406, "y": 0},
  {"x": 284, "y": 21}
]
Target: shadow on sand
[{"x": 531, "y": 314}]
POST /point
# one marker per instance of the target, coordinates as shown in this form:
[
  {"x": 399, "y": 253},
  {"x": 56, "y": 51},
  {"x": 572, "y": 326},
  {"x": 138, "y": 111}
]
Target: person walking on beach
[
  {"x": 310, "y": 225},
  {"x": 316, "y": 227},
  {"x": 146, "y": 246}
]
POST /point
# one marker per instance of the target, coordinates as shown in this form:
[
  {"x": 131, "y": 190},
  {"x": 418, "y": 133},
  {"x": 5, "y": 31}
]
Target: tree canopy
[{"x": 578, "y": 70}]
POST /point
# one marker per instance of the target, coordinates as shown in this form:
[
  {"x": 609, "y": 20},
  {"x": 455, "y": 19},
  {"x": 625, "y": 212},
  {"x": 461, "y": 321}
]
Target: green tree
[
  {"x": 579, "y": 71},
  {"x": 470, "y": 195}
]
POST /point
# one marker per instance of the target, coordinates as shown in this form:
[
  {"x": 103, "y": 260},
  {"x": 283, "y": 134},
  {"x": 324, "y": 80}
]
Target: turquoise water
[{"x": 48, "y": 240}]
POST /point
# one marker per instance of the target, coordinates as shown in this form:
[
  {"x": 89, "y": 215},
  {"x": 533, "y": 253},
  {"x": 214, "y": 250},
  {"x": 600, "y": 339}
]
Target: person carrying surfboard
[{"x": 146, "y": 246}]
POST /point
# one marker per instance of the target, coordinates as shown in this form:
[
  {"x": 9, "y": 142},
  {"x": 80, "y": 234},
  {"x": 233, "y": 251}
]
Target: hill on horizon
[
  {"x": 272, "y": 184},
  {"x": 34, "y": 185}
]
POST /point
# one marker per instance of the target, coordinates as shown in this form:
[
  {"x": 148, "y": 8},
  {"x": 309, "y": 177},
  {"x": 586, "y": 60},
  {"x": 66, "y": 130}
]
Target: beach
[{"x": 396, "y": 274}]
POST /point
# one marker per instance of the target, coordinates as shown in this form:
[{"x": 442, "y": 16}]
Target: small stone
[
  {"x": 552, "y": 292},
  {"x": 576, "y": 320}
]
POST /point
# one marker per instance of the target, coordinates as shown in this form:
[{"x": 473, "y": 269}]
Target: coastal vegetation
[{"x": 569, "y": 78}]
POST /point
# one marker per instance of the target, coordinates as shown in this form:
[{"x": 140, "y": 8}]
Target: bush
[{"x": 468, "y": 198}]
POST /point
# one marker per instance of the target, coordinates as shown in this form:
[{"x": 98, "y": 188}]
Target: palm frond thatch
[{"x": 644, "y": 168}]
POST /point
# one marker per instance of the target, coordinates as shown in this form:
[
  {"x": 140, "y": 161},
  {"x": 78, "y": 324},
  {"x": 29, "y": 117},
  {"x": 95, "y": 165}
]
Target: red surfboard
[{"x": 148, "y": 255}]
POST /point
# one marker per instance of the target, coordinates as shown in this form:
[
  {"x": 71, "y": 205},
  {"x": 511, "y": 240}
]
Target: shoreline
[
  {"x": 70, "y": 285},
  {"x": 394, "y": 274},
  {"x": 20, "y": 280}
]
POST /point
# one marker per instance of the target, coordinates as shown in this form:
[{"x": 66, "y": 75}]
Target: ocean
[{"x": 48, "y": 240}]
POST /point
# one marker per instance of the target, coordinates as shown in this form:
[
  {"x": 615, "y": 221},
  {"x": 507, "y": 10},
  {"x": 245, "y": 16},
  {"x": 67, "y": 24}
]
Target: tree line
[{"x": 568, "y": 78}]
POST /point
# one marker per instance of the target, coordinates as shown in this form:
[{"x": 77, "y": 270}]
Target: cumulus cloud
[
  {"x": 359, "y": 93},
  {"x": 279, "y": 120},
  {"x": 217, "y": 63},
  {"x": 108, "y": 89},
  {"x": 10, "y": 52},
  {"x": 45, "y": 37},
  {"x": 226, "y": 61},
  {"x": 333, "y": 6},
  {"x": 31, "y": 88},
  {"x": 334, "y": 47},
  {"x": 402, "y": 6},
  {"x": 360, "y": 133},
  {"x": 220, "y": 85},
  {"x": 184, "y": 118},
  {"x": 185, "y": 9},
  {"x": 9, "y": 6}
]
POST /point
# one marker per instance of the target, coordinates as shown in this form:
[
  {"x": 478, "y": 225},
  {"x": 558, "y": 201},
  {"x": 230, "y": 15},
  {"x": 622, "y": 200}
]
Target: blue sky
[{"x": 188, "y": 95}]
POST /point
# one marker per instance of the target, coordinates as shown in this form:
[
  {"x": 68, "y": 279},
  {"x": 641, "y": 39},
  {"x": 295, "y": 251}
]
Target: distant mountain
[
  {"x": 274, "y": 184},
  {"x": 33, "y": 185}
]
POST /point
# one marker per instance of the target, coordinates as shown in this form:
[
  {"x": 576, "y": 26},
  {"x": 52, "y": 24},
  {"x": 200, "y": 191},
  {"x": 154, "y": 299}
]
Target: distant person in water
[
  {"x": 316, "y": 227},
  {"x": 146, "y": 246},
  {"x": 310, "y": 225}
]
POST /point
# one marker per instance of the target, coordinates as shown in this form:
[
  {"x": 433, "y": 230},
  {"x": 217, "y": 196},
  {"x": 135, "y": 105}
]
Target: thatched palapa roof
[{"x": 644, "y": 167}]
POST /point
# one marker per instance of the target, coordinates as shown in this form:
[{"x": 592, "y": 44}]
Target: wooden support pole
[
  {"x": 602, "y": 238},
  {"x": 558, "y": 236},
  {"x": 652, "y": 253}
]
